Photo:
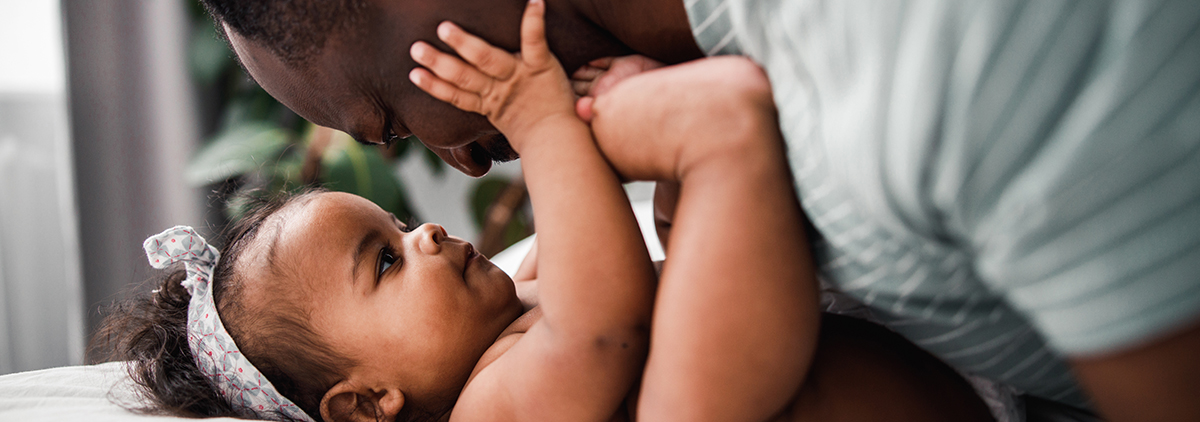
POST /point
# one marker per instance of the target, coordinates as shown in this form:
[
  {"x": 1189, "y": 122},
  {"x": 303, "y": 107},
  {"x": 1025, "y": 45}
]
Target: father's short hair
[{"x": 294, "y": 30}]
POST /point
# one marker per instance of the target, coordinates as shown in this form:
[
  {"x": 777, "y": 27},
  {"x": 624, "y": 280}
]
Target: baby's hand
[
  {"x": 600, "y": 75},
  {"x": 515, "y": 91}
]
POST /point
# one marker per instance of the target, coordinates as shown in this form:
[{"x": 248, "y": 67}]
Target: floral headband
[{"x": 217, "y": 357}]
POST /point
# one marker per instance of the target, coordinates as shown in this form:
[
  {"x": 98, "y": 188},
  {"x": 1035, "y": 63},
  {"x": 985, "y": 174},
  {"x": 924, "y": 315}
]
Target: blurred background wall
[{"x": 105, "y": 107}]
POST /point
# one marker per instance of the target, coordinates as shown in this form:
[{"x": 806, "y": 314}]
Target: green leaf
[
  {"x": 235, "y": 152},
  {"x": 402, "y": 147},
  {"x": 519, "y": 228},
  {"x": 485, "y": 193},
  {"x": 349, "y": 167},
  {"x": 238, "y": 203},
  {"x": 285, "y": 173},
  {"x": 435, "y": 163},
  {"x": 209, "y": 55}
]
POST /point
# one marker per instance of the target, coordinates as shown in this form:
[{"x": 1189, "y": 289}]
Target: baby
[{"x": 322, "y": 306}]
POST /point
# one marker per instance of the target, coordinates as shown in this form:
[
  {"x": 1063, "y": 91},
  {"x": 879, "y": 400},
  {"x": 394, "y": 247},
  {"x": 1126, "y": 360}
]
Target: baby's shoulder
[{"x": 507, "y": 339}]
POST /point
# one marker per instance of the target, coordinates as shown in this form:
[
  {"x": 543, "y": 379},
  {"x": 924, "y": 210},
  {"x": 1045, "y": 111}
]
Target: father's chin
[{"x": 475, "y": 159}]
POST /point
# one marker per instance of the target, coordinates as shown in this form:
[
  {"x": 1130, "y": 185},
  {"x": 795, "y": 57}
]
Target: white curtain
[
  {"x": 89, "y": 162},
  {"x": 41, "y": 311},
  {"x": 134, "y": 125}
]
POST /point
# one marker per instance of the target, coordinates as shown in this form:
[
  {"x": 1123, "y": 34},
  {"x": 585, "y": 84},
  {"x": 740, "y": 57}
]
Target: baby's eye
[
  {"x": 406, "y": 228},
  {"x": 387, "y": 257}
]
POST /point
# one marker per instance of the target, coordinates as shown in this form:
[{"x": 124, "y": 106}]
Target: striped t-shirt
[{"x": 1005, "y": 183}]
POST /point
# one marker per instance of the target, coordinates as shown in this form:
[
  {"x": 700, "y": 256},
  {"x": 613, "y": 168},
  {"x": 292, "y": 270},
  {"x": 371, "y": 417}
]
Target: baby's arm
[
  {"x": 596, "y": 282},
  {"x": 735, "y": 321}
]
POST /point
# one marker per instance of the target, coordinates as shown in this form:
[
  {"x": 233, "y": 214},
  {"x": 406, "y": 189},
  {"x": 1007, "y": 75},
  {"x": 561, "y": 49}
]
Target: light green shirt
[{"x": 1003, "y": 182}]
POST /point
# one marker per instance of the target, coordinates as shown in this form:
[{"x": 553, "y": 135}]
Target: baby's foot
[{"x": 600, "y": 75}]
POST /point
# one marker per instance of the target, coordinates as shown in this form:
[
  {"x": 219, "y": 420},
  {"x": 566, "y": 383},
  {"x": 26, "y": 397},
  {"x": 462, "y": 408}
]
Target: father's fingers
[
  {"x": 444, "y": 91},
  {"x": 449, "y": 68},
  {"x": 490, "y": 60},
  {"x": 533, "y": 34}
]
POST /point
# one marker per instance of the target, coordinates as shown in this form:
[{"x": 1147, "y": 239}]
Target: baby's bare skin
[{"x": 578, "y": 354}]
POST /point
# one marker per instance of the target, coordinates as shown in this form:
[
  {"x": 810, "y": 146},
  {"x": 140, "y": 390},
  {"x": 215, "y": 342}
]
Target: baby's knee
[
  {"x": 737, "y": 96},
  {"x": 742, "y": 81}
]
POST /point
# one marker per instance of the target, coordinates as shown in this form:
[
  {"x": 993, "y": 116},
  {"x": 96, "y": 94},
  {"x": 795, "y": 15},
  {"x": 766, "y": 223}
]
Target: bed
[{"x": 73, "y": 393}]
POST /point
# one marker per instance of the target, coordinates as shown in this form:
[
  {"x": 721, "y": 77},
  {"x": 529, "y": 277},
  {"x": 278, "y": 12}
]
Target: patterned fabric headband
[{"x": 216, "y": 355}]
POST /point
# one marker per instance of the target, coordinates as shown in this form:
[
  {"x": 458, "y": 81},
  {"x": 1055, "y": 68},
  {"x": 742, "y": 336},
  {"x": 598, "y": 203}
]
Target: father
[{"x": 1011, "y": 185}]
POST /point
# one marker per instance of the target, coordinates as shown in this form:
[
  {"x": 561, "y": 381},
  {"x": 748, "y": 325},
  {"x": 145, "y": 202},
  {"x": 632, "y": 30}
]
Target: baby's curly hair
[{"x": 150, "y": 331}]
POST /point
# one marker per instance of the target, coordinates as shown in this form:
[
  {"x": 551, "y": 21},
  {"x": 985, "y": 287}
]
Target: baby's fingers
[
  {"x": 533, "y": 34},
  {"x": 442, "y": 90},
  {"x": 490, "y": 60},
  {"x": 450, "y": 68}
]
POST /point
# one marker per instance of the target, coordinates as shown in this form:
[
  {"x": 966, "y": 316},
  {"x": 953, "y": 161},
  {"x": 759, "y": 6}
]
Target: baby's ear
[{"x": 351, "y": 402}]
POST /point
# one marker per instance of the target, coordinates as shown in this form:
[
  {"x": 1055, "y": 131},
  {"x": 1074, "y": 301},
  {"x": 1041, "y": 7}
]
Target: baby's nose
[{"x": 430, "y": 238}]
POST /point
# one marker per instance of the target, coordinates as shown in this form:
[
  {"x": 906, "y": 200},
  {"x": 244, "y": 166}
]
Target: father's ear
[
  {"x": 469, "y": 159},
  {"x": 349, "y": 401}
]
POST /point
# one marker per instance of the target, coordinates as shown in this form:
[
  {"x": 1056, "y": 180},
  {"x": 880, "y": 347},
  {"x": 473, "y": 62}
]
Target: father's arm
[
  {"x": 1092, "y": 231},
  {"x": 1159, "y": 381}
]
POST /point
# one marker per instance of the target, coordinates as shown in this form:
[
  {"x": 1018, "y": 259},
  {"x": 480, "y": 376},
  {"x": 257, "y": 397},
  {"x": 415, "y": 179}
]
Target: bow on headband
[{"x": 217, "y": 356}]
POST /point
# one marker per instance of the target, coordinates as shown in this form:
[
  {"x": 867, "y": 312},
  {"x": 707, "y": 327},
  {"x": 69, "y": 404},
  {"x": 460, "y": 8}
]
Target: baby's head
[{"x": 348, "y": 312}]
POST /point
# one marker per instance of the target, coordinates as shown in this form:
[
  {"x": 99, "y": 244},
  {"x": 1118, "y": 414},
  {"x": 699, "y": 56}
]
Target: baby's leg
[{"x": 735, "y": 319}]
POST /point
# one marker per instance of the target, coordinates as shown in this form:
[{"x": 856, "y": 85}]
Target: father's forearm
[{"x": 1158, "y": 381}]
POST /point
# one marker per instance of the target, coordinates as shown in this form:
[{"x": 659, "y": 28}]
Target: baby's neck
[{"x": 507, "y": 338}]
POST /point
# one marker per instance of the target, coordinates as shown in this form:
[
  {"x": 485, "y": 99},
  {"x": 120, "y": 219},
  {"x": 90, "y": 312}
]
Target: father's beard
[{"x": 495, "y": 149}]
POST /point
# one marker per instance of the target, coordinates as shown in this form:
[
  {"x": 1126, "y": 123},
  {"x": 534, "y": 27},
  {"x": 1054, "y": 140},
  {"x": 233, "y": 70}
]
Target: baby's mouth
[{"x": 471, "y": 254}]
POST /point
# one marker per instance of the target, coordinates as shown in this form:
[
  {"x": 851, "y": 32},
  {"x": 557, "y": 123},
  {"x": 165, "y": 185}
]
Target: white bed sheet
[{"x": 73, "y": 393}]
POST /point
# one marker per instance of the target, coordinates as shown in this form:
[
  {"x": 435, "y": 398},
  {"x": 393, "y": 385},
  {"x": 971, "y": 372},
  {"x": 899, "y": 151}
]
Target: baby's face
[{"x": 412, "y": 305}]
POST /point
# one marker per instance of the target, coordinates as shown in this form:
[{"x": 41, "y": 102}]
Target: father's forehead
[{"x": 323, "y": 89}]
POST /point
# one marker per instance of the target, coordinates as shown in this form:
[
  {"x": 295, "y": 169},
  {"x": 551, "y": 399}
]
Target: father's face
[{"x": 359, "y": 84}]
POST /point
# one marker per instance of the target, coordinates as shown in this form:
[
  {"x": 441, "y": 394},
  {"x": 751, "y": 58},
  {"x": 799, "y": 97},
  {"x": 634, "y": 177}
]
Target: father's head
[{"x": 345, "y": 63}]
